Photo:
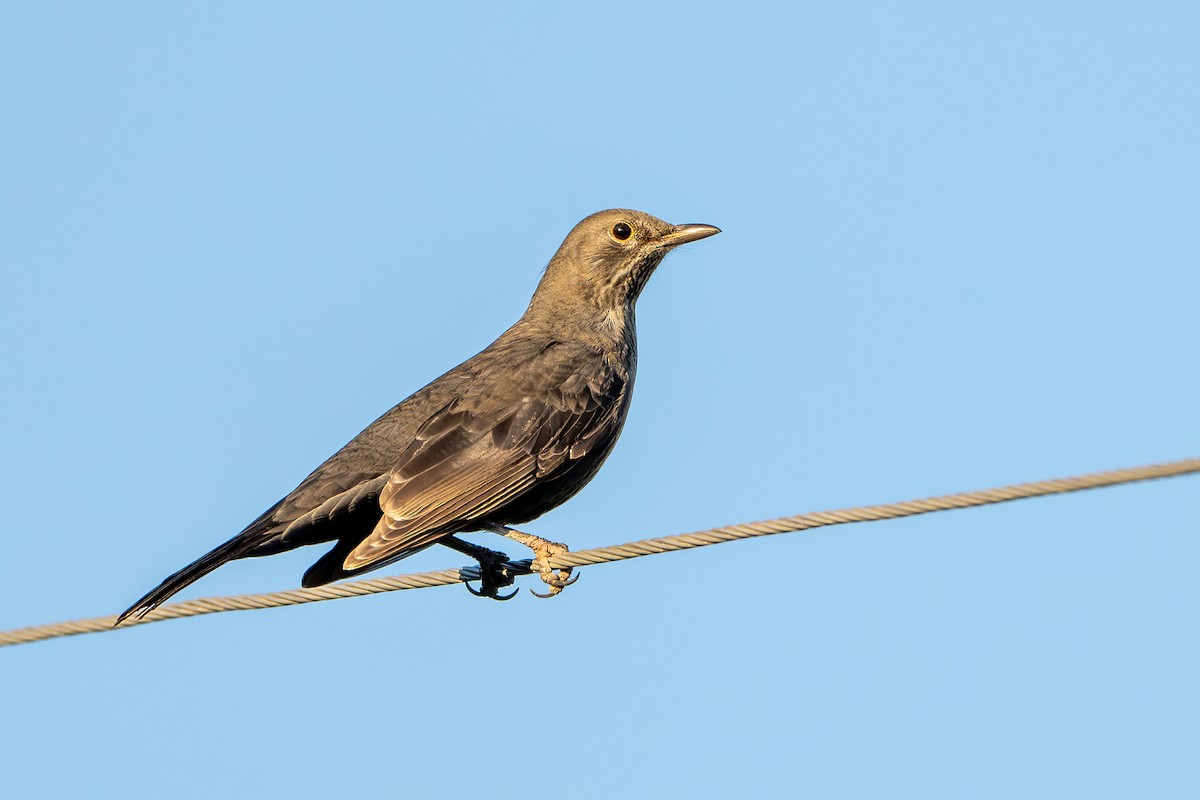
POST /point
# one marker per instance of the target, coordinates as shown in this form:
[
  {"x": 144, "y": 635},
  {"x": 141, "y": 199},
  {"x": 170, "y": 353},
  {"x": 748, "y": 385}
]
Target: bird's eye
[{"x": 621, "y": 231}]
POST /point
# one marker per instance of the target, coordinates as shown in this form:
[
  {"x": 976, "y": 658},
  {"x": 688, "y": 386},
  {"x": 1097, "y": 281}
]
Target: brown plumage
[{"x": 499, "y": 440}]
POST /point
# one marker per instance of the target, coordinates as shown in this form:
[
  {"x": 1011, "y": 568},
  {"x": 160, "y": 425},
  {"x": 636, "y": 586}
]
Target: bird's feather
[{"x": 468, "y": 460}]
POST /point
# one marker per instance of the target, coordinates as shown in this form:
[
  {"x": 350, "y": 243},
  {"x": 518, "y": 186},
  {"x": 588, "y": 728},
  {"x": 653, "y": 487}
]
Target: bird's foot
[
  {"x": 493, "y": 574},
  {"x": 556, "y": 580},
  {"x": 543, "y": 551}
]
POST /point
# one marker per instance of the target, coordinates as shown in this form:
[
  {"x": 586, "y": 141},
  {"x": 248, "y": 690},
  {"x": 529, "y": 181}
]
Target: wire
[{"x": 604, "y": 555}]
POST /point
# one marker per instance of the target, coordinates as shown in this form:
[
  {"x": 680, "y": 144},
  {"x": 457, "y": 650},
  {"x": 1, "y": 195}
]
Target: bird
[{"x": 497, "y": 441}]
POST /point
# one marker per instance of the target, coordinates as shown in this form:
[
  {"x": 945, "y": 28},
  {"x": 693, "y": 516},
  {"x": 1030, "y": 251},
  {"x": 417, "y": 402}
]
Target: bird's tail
[{"x": 239, "y": 546}]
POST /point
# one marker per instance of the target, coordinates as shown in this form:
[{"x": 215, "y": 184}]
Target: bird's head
[{"x": 606, "y": 259}]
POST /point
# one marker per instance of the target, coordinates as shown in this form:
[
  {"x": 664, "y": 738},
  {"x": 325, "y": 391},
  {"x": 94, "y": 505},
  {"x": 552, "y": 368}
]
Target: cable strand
[{"x": 604, "y": 555}]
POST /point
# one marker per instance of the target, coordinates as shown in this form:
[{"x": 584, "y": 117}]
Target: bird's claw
[
  {"x": 556, "y": 582},
  {"x": 493, "y": 576},
  {"x": 491, "y": 592}
]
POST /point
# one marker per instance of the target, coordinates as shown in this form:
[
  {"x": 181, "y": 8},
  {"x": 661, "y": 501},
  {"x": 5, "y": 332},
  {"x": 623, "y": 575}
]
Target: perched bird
[{"x": 497, "y": 441}]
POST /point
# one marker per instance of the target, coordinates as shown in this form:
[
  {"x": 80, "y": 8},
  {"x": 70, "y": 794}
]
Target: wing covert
[{"x": 464, "y": 464}]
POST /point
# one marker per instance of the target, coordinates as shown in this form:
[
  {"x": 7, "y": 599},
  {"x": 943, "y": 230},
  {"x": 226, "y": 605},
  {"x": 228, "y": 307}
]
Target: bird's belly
[{"x": 546, "y": 495}]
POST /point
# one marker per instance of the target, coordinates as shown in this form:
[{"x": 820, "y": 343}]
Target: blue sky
[{"x": 960, "y": 250}]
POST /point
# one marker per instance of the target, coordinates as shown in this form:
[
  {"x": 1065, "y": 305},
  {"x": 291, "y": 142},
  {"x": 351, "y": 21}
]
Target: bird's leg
[
  {"x": 543, "y": 551},
  {"x": 492, "y": 574}
]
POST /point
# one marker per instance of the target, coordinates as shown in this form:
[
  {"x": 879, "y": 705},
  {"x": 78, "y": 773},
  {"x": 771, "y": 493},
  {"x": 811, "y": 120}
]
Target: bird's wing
[{"x": 465, "y": 463}]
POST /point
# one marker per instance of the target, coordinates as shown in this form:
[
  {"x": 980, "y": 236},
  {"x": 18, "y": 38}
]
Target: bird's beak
[{"x": 682, "y": 234}]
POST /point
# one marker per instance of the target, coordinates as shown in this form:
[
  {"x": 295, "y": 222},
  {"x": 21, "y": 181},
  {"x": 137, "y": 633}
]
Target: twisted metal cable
[{"x": 604, "y": 555}]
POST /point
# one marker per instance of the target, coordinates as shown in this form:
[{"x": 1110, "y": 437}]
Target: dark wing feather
[{"x": 465, "y": 464}]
